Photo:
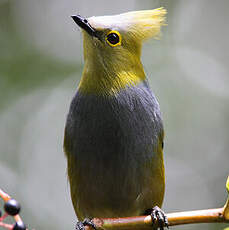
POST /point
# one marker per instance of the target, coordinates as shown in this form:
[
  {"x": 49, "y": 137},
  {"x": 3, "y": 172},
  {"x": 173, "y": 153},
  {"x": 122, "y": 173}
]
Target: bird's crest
[{"x": 142, "y": 24}]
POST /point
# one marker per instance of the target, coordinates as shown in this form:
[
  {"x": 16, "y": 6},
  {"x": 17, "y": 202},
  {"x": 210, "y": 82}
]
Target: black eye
[{"x": 113, "y": 38}]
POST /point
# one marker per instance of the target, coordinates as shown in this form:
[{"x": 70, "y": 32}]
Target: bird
[{"x": 113, "y": 138}]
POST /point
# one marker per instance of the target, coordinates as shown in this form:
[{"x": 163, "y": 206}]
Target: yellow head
[{"x": 112, "y": 49}]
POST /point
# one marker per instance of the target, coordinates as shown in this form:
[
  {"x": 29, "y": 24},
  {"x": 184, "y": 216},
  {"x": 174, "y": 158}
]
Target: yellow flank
[{"x": 110, "y": 68}]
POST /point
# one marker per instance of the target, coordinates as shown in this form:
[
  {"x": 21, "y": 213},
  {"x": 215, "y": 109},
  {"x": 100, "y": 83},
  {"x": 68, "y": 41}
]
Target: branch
[
  {"x": 218, "y": 215},
  {"x": 12, "y": 209}
]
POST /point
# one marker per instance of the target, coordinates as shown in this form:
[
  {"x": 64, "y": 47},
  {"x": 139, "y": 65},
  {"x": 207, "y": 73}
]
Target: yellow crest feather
[{"x": 147, "y": 23}]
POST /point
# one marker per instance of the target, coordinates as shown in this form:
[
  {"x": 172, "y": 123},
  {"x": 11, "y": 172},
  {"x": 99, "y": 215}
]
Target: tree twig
[
  {"x": 17, "y": 218},
  {"x": 218, "y": 215}
]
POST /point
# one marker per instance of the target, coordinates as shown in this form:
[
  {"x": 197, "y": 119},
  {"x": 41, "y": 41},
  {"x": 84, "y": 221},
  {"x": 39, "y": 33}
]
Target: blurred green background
[{"x": 40, "y": 66}]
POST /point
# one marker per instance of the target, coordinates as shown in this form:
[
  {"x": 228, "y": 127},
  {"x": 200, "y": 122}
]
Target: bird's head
[{"x": 112, "y": 47}]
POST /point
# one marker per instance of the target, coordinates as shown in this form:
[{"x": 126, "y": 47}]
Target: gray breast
[{"x": 112, "y": 138}]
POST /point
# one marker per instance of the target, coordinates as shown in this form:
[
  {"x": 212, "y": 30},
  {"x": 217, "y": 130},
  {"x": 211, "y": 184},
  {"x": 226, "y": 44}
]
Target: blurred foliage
[{"x": 23, "y": 68}]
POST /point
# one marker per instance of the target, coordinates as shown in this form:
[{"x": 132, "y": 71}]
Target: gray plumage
[{"x": 115, "y": 163}]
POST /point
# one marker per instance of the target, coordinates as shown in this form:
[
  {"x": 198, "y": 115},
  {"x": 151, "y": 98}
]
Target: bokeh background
[{"x": 40, "y": 66}]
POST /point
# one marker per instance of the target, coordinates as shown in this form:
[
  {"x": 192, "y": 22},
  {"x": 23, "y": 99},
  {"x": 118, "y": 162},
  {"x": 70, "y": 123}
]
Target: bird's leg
[
  {"x": 80, "y": 225},
  {"x": 157, "y": 214}
]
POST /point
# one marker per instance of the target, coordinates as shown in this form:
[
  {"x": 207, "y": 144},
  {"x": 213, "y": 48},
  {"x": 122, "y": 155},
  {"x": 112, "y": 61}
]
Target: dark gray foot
[
  {"x": 80, "y": 225},
  {"x": 157, "y": 214}
]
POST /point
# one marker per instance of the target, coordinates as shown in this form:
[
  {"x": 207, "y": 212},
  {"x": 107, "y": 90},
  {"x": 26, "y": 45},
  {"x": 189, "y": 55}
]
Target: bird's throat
[{"x": 102, "y": 81}]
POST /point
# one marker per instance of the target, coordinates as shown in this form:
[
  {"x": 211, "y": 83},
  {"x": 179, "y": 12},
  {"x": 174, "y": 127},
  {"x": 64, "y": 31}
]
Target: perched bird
[{"x": 114, "y": 132}]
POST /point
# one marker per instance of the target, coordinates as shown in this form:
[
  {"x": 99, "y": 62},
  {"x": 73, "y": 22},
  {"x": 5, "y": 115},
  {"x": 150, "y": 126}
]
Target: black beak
[{"x": 84, "y": 24}]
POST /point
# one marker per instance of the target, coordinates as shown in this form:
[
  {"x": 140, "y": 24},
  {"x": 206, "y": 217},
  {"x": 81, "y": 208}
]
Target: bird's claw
[
  {"x": 80, "y": 225},
  {"x": 159, "y": 215}
]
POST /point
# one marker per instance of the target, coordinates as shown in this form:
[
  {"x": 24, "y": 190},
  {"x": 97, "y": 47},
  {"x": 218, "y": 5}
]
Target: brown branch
[
  {"x": 176, "y": 218},
  {"x": 218, "y": 215},
  {"x": 199, "y": 216}
]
